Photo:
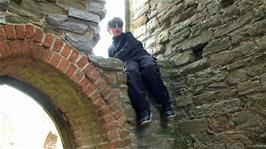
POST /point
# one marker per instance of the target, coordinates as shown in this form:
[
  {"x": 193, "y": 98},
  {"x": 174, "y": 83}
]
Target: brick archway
[{"x": 69, "y": 80}]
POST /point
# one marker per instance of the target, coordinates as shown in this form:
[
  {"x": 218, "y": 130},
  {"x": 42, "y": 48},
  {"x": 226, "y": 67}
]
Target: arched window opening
[{"x": 23, "y": 123}]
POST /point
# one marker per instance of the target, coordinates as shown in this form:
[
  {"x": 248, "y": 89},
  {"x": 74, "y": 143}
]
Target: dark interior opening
[
  {"x": 226, "y": 3},
  {"x": 197, "y": 51}
]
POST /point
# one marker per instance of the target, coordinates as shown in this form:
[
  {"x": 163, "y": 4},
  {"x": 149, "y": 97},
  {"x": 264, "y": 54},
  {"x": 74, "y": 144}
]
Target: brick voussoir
[
  {"x": 5, "y": 51},
  {"x": 20, "y": 31},
  {"x": 58, "y": 46},
  {"x": 113, "y": 134},
  {"x": 10, "y": 32},
  {"x": 122, "y": 121},
  {"x": 82, "y": 62},
  {"x": 88, "y": 89},
  {"x": 55, "y": 59},
  {"x": 103, "y": 110},
  {"x": 63, "y": 64},
  {"x": 49, "y": 41},
  {"x": 66, "y": 50},
  {"x": 78, "y": 76},
  {"x": 73, "y": 56},
  {"x": 71, "y": 70},
  {"x": 2, "y": 33},
  {"x": 38, "y": 35},
  {"x": 107, "y": 118},
  {"x": 100, "y": 84},
  {"x": 14, "y": 47},
  {"x": 98, "y": 103},
  {"x": 30, "y": 31},
  {"x": 83, "y": 82},
  {"x": 24, "y": 46}
]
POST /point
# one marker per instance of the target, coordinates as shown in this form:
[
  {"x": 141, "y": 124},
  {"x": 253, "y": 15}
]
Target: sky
[
  {"x": 23, "y": 123},
  {"x": 115, "y": 8}
]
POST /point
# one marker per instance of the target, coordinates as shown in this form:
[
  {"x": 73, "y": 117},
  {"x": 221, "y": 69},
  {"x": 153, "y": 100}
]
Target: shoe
[
  {"x": 169, "y": 112},
  {"x": 145, "y": 117}
]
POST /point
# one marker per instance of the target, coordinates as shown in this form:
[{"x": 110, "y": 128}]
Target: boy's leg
[
  {"x": 152, "y": 77},
  {"x": 136, "y": 92}
]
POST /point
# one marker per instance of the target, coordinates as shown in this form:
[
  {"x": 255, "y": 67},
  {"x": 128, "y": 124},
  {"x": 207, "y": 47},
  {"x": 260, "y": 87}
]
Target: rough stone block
[{"x": 197, "y": 126}]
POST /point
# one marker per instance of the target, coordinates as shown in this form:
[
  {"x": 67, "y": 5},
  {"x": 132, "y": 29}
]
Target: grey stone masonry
[
  {"x": 212, "y": 57},
  {"x": 74, "y": 21},
  {"x": 3, "y": 7}
]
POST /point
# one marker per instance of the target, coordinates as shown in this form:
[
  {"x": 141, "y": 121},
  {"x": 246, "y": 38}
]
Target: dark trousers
[{"x": 143, "y": 73}]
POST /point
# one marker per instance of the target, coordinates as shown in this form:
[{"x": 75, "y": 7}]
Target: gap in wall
[{"x": 115, "y": 8}]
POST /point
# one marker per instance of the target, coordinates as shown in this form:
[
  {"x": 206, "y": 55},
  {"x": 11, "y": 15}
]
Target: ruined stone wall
[
  {"x": 74, "y": 21},
  {"x": 212, "y": 58}
]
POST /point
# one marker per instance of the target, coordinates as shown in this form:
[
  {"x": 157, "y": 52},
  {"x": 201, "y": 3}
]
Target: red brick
[
  {"x": 29, "y": 31},
  {"x": 110, "y": 126},
  {"x": 89, "y": 68},
  {"x": 83, "y": 82},
  {"x": 111, "y": 99},
  {"x": 107, "y": 118},
  {"x": 113, "y": 134},
  {"x": 35, "y": 49},
  {"x": 38, "y": 35},
  {"x": 95, "y": 95},
  {"x": 49, "y": 39},
  {"x": 93, "y": 75},
  {"x": 63, "y": 65},
  {"x": 98, "y": 102},
  {"x": 88, "y": 90},
  {"x": 41, "y": 53},
  {"x": 118, "y": 114},
  {"x": 71, "y": 70},
  {"x": 100, "y": 84},
  {"x": 73, "y": 56},
  {"x": 24, "y": 46},
  {"x": 125, "y": 143},
  {"x": 58, "y": 45},
  {"x": 20, "y": 31},
  {"x": 78, "y": 76},
  {"x": 111, "y": 78},
  {"x": 82, "y": 62},
  {"x": 114, "y": 144},
  {"x": 66, "y": 50},
  {"x": 14, "y": 47},
  {"x": 124, "y": 133},
  {"x": 10, "y": 32},
  {"x": 2, "y": 33},
  {"x": 107, "y": 91},
  {"x": 103, "y": 111},
  {"x": 115, "y": 105},
  {"x": 4, "y": 49},
  {"x": 55, "y": 59},
  {"x": 46, "y": 55},
  {"x": 122, "y": 121},
  {"x": 32, "y": 47}
]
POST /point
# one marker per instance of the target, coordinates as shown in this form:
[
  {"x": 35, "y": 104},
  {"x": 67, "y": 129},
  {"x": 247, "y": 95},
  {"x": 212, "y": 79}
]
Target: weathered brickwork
[
  {"x": 212, "y": 57},
  {"x": 73, "y": 84}
]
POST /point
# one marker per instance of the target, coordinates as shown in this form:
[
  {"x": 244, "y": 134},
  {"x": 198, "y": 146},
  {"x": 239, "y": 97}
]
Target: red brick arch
[{"x": 28, "y": 42}]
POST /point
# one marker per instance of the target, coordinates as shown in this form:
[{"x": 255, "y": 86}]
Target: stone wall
[
  {"x": 212, "y": 58},
  {"x": 74, "y": 21}
]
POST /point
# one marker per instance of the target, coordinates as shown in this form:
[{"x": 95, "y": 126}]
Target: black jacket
[{"x": 125, "y": 47}]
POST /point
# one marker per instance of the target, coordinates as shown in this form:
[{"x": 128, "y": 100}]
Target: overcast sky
[{"x": 115, "y": 8}]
